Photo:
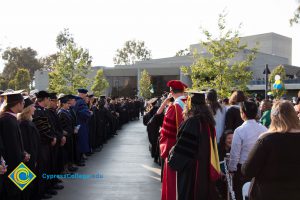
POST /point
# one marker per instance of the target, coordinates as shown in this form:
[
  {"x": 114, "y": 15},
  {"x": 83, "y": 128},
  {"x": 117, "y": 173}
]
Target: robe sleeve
[
  {"x": 186, "y": 146},
  {"x": 168, "y": 132}
]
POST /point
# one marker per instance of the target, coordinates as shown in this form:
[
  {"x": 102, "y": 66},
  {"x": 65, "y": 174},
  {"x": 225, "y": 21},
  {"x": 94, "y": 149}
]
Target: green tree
[
  {"x": 145, "y": 85},
  {"x": 100, "y": 83},
  {"x": 296, "y": 17},
  {"x": 22, "y": 79},
  {"x": 48, "y": 61},
  {"x": 131, "y": 52},
  {"x": 279, "y": 70},
  {"x": 70, "y": 69},
  {"x": 183, "y": 52},
  {"x": 11, "y": 84},
  {"x": 64, "y": 38},
  {"x": 20, "y": 58},
  {"x": 220, "y": 69},
  {"x": 3, "y": 83}
]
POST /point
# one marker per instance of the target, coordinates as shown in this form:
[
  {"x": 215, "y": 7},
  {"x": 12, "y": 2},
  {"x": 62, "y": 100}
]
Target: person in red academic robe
[{"x": 172, "y": 120}]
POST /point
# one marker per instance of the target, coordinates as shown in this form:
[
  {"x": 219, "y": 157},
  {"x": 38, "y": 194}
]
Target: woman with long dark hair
[
  {"x": 218, "y": 110},
  {"x": 195, "y": 156},
  {"x": 233, "y": 118}
]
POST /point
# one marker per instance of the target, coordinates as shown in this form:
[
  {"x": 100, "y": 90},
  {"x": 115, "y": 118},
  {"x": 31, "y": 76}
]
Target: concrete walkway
[{"x": 128, "y": 170}]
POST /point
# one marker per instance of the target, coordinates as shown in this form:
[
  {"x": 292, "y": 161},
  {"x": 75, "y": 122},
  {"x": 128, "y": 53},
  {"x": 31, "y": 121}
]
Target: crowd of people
[
  {"x": 191, "y": 133},
  {"x": 55, "y": 134}
]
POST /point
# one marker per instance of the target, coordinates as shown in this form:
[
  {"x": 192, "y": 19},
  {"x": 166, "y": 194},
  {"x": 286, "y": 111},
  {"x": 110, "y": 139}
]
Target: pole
[
  {"x": 138, "y": 81},
  {"x": 266, "y": 81}
]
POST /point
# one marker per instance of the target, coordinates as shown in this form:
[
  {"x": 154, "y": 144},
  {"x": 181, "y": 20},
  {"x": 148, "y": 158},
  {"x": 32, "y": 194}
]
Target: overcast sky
[{"x": 166, "y": 26}]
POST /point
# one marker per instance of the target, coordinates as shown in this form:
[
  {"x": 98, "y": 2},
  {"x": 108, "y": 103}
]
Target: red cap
[{"x": 176, "y": 85}]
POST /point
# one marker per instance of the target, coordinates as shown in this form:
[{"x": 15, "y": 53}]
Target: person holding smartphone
[{"x": 172, "y": 120}]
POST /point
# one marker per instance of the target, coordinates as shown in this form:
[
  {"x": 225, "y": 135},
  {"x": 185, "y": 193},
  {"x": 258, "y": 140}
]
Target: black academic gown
[
  {"x": 76, "y": 152},
  {"x": 65, "y": 119},
  {"x": 57, "y": 150},
  {"x": 190, "y": 158},
  {"x": 93, "y": 128},
  {"x": 12, "y": 152},
  {"x": 153, "y": 123},
  {"x": 46, "y": 137},
  {"x": 100, "y": 126},
  {"x": 31, "y": 142},
  {"x": 137, "y": 107},
  {"x": 153, "y": 128}
]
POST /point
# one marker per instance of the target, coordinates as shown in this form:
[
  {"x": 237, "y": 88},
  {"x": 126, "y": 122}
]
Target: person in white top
[
  {"x": 244, "y": 138},
  {"x": 219, "y": 112}
]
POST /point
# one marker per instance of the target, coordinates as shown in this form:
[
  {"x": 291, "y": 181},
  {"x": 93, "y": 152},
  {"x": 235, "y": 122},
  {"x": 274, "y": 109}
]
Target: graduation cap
[
  {"x": 1, "y": 92},
  {"x": 61, "y": 95},
  {"x": 12, "y": 96},
  {"x": 195, "y": 97},
  {"x": 102, "y": 97},
  {"x": 91, "y": 95},
  {"x": 9, "y": 90},
  {"x": 27, "y": 101},
  {"x": 82, "y": 90},
  {"x": 42, "y": 94}
]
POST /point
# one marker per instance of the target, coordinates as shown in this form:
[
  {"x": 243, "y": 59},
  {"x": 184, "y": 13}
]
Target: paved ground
[{"x": 129, "y": 172}]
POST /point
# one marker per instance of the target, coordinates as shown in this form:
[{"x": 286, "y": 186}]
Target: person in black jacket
[
  {"x": 12, "y": 149},
  {"x": 31, "y": 143},
  {"x": 274, "y": 161}
]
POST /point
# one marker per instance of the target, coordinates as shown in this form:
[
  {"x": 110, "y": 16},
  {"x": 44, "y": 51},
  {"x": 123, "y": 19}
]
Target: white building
[{"x": 274, "y": 50}]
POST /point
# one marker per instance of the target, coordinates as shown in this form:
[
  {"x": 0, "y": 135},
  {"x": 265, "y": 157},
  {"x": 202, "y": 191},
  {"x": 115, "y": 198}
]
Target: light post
[{"x": 266, "y": 73}]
